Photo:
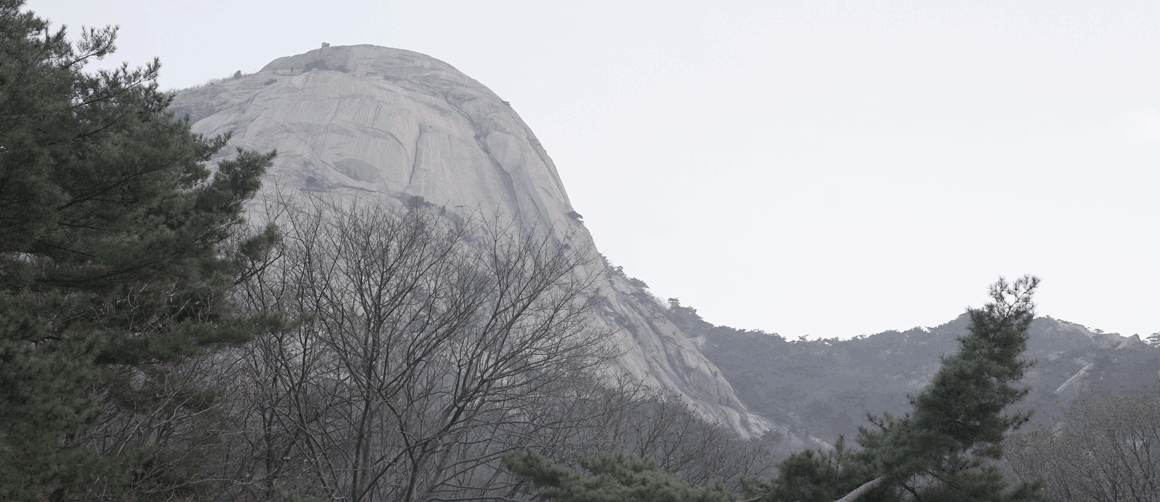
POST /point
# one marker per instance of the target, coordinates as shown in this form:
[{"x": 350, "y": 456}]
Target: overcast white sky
[{"x": 808, "y": 168}]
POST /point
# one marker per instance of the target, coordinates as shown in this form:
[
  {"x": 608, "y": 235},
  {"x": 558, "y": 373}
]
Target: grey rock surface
[
  {"x": 371, "y": 121},
  {"x": 391, "y": 126}
]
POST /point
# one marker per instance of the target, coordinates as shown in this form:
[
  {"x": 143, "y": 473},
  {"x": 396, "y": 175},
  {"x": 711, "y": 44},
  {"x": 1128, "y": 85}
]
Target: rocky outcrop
[
  {"x": 391, "y": 126},
  {"x": 364, "y": 120}
]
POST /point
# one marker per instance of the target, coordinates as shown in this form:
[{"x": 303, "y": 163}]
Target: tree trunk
[{"x": 862, "y": 490}]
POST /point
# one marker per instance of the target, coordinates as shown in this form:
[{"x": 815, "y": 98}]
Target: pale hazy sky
[{"x": 807, "y": 168}]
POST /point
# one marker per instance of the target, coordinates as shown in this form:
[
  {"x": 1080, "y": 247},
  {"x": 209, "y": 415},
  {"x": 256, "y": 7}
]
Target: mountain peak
[
  {"x": 365, "y": 61},
  {"x": 364, "y": 121},
  {"x": 389, "y": 126}
]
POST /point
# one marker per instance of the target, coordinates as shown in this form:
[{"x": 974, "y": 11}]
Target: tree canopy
[
  {"x": 115, "y": 248},
  {"x": 612, "y": 478}
]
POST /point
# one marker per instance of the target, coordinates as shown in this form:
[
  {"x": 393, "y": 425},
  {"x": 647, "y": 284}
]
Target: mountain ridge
[{"x": 821, "y": 389}]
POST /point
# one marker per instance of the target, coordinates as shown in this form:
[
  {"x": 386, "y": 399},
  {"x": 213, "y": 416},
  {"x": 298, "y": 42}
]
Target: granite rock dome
[{"x": 395, "y": 126}]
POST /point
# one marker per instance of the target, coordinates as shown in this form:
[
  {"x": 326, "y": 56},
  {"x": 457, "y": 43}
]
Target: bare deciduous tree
[
  {"x": 415, "y": 348},
  {"x": 424, "y": 345},
  {"x": 1106, "y": 448}
]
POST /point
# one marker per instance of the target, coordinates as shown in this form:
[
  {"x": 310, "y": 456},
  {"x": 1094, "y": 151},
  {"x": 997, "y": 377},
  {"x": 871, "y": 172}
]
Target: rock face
[
  {"x": 368, "y": 120},
  {"x": 394, "y": 127}
]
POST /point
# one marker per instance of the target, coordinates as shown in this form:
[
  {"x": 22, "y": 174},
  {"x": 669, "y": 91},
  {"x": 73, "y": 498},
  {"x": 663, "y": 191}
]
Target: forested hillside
[{"x": 824, "y": 388}]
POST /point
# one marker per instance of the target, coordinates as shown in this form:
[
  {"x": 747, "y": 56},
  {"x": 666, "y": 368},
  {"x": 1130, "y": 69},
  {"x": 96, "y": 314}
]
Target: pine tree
[
  {"x": 112, "y": 248},
  {"x": 942, "y": 449},
  {"x": 816, "y": 476}
]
